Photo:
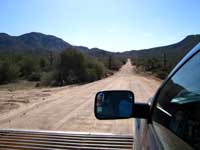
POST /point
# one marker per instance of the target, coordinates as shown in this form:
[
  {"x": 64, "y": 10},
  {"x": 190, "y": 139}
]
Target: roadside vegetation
[
  {"x": 161, "y": 60},
  {"x": 112, "y": 62},
  {"x": 56, "y": 69},
  {"x": 160, "y": 67}
]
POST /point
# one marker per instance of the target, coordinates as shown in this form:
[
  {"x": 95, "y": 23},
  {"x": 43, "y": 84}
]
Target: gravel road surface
[{"x": 70, "y": 108}]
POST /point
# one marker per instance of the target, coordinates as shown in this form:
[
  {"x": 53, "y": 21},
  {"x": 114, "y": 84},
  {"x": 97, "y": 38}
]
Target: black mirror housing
[{"x": 141, "y": 110}]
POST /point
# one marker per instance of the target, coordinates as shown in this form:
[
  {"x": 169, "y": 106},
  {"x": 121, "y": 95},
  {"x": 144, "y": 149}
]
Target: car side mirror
[
  {"x": 114, "y": 104},
  {"x": 119, "y": 105}
]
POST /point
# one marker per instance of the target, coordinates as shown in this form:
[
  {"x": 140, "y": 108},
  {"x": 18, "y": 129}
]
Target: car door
[{"x": 175, "y": 115}]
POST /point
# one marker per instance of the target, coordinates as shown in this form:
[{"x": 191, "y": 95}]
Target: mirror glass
[{"x": 114, "y": 104}]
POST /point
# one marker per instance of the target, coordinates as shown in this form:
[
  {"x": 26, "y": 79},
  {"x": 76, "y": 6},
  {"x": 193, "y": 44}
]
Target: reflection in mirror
[{"x": 114, "y": 104}]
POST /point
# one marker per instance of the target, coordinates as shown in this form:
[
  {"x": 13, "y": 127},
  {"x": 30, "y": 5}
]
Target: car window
[{"x": 176, "y": 115}]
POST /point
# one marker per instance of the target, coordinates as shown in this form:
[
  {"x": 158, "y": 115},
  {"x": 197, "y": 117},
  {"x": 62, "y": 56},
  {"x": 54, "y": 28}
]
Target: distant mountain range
[
  {"x": 40, "y": 43},
  {"x": 183, "y": 46},
  {"x": 174, "y": 52}
]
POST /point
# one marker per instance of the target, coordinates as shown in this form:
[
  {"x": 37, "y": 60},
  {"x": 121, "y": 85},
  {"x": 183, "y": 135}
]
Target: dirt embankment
[{"x": 71, "y": 108}]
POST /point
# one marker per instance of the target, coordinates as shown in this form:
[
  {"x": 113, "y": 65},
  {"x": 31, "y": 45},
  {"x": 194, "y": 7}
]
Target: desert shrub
[
  {"x": 71, "y": 77},
  {"x": 116, "y": 64},
  {"x": 72, "y": 67},
  {"x": 34, "y": 76},
  {"x": 153, "y": 65},
  {"x": 162, "y": 74},
  {"x": 124, "y": 60},
  {"x": 8, "y": 72},
  {"x": 42, "y": 63},
  {"x": 27, "y": 67},
  {"x": 97, "y": 67},
  {"x": 99, "y": 70},
  {"x": 72, "y": 62},
  {"x": 91, "y": 75},
  {"x": 57, "y": 69},
  {"x": 49, "y": 78},
  {"x": 76, "y": 67},
  {"x": 113, "y": 62},
  {"x": 13, "y": 72}
]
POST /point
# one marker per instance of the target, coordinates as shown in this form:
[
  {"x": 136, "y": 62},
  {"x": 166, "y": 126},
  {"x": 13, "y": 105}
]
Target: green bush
[
  {"x": 13, "y": 72},
  {"x": 72, "y": 61},
  {"x": 68, "y": 67},
  {"x": 42, "y": 63},
  {"x": 114, "y": 62},
  {"x": 91, "y": 75},
  {"x": 71, "y": 77},
  {"x": 97, "y": 67},
  {"x": 27, "y": 67},
  {"x": 8, "y": 72},
  {"x": 76, "y": 67},
  {"x": 153, "y": 65},
  {"x": 49, "y": 78},
  {"x": 162, "y": 74},
  {"x": 34, "y": 76}
]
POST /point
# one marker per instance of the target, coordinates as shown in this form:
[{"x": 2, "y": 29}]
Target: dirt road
[{"x": 70, "y": 108}]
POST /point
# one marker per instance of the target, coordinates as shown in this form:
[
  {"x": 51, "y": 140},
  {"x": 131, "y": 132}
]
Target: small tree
[
  {"x": 164, "y": 60},
  {"x": 27, "y": 66},
  {"x": 72, "y": 61},
  {"x": 110, "y": 62},
  {"x": 51, "y": 59},
  {"x": 8, "y": 72},
  {"x": 42, "y": 63}
]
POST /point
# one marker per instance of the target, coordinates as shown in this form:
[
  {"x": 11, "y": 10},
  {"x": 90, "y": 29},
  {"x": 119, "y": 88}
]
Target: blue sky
[{"x": 114, "y": 25}]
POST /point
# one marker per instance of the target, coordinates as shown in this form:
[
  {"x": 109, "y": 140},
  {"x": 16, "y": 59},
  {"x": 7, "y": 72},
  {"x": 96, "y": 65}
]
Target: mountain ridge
[
  {"x": 174, "y": 52},
  {"x": 31, "y": 42},
  {"x": 36, "y": 42}
]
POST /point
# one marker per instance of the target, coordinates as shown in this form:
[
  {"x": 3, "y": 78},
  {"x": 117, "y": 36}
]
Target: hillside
[
  {"x": 35, "y": 42},
  {"x": 52, "y": 61},
  {"x": 38, "y": 43},
  {"x": 161, "y": 60},
  {"x": 173, "y": 52},
  {"x": 31, "y": 43}
]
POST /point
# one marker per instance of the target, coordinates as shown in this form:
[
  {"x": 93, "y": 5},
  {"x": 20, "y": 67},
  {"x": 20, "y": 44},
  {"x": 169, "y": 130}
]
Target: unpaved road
[{"x": 70, "y": 108}]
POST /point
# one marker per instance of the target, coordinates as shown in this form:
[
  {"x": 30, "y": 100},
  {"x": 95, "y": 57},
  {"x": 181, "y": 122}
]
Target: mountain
[
  {"x": 173, "y": 52},
  {"x": 95, "y": 51},
  {"x": 39, "y": 43},
  {"x": 32, "y": 43},
  {"x": 159, "y": 60}
]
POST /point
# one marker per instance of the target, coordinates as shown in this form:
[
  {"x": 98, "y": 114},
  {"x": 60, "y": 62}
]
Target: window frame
[
  {"x": 176, "y": 69},
  {"x": 154, "y": 100}
]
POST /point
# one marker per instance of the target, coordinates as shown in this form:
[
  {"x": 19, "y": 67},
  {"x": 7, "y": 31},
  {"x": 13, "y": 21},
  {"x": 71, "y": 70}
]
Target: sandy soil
[{"x": 70, "y": 108}]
